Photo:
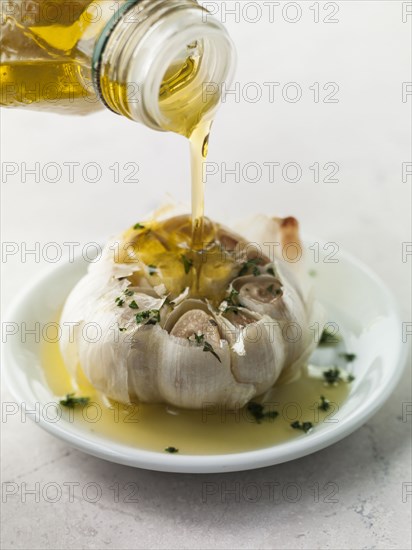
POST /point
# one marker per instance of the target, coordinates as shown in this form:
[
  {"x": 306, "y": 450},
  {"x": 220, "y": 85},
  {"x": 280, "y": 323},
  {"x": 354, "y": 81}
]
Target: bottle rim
[
  {"x": 136, "y": 53},
  {"x": 218, "y": 60}
]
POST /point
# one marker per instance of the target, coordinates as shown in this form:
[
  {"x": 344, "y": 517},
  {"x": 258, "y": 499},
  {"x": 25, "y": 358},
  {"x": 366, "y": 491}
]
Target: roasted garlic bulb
[{"x": 220, "y": 324}]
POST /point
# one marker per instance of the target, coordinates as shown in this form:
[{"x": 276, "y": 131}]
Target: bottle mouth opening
[{"x": 183, "y": 82}]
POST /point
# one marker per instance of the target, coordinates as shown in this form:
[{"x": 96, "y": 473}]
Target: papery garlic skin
[{"x": 234, "y": 354}]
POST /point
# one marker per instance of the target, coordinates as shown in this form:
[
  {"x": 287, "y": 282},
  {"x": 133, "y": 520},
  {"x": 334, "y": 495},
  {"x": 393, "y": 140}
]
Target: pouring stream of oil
[
  {"x": 190, "y": 114},
  {"x": 199, "y": 144}
]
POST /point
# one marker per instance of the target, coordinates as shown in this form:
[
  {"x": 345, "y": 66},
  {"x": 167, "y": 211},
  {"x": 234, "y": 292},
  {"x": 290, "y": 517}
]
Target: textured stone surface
[{"x": 352, "y": 495}]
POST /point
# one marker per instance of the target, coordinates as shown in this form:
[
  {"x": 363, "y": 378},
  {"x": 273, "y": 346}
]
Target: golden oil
[
  {"x": 40, "y": 65},
  {"x": 213, "y": 430},
  {"x": 167, "y": 247}
]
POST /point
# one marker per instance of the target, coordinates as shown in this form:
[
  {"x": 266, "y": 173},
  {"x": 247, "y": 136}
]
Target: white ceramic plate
[{"x": 353, "y": 296}]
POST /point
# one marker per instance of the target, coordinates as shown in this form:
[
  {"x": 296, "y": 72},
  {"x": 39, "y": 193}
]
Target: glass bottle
[{"x": 158, "y": 62}]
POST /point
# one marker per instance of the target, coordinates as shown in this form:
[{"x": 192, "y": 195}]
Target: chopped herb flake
[
  {"x": 138, "y": 226},
  {"x": 120, "y": 301},
  {"x": 152, "y": 269},
  {"x": 71, "y": 401},
  {"x": 328, "y": 339},
  {"x": 171, "y": 450},
  {"x": 271, "y": 271},
  {"x": 208, "y": 347},
  {"x": 231, "y": 301},
  {"x": 199, "y": 339},
  {"x": 324, "y": 404},
  {"x": 133, "y": 305},
  {"x": 122, "y": 329},
  {"x": 274, "y": 291},
  {"x": 332, "y": 376},
  {"x": 304, "y": 426},
  {"x": 250, "y": 265},
  {"x": 150, "y": 317},
  {"x": 232, "y": 296},
  {"x": 187, "y": 263},
  {"x": 257, "y": 411},
  {"x": 349, "y": 357}
]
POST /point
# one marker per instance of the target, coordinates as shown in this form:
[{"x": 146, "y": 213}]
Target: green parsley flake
[
  {"x": 187, "y": 263},
  {"x": 120, "y": 301},
  {"x": 71, "y": 401},
  {"x": 349, "y": 357},
  {"x": 208, "y": 347},
  {"x": 231, "y": 301},
  {"x": 332, "y": 376},
  {"x": 133, "y": 305},
  {"x": 171, "y": 450},
  {"x": 274, "y": 291},
  {"x": 250, "y": 265},
  {"x": 138, "y": 226},
  {"x": 304, "y": 426},
  {"x": 150, "y": 317},
  {"x": 257, "y": 411},
  {"x": 199, "y": 339},
  {"x": 324, "y": 404},
  {"x": 328, "y": 339},
  {"x": 152, "y": 269}
]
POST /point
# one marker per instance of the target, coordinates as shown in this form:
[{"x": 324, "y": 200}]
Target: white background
[{"x": 367, "y": 212}]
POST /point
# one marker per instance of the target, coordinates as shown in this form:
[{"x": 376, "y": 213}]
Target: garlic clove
[
  {"x": 188, "y": 304},
  {"x": 264, "y": 355},
  {"x": 142, "y": 362},
  {"x": 192, "y": 377},
  {"x": 262, "y": 294},
  {"x": 196, "y": 323},
  {"x": 257, "y": 349}
]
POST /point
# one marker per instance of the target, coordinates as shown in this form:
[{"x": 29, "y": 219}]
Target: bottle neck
[{"x": 163, "y": 63}]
